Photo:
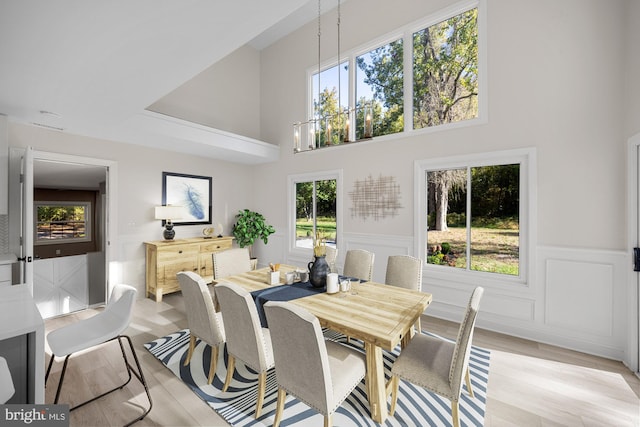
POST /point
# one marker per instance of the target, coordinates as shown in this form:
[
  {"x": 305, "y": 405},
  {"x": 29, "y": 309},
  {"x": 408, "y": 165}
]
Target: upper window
[
  {"x": 379, "y": 86},
  {"x": 475, "y": 213},
  {"x": 333, "y": 83},
  {"x": 382, "y": 96},
  {"x": 445, "y": 71},
  {"x": 62, "y": 222}
]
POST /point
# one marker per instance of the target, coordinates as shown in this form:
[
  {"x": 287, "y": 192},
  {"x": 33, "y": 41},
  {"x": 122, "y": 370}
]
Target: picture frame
[{"x": 194, "y": 192}]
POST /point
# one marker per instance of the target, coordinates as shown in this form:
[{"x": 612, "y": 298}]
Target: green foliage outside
[
  {"x": 325, "y": 205},
  {"x": 60, "y": 222},
  {"x": 445, "y": 82}
]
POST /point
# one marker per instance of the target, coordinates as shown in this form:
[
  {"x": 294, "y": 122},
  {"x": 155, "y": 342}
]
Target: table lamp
[{"x": 168, "y": 214}]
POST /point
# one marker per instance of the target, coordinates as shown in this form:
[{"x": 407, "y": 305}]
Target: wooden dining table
[{"x": 379, "y": 315}]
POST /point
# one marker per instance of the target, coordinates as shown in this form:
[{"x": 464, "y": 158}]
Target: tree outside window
[
  {"x": 315, "y": 212},
  {"x": 380, "y": 83},
  {"x": 444, "y": 90},
  {"x": 473, "y": 218},
  {"x": 445, "y": 71},
  {"x": 60, "y": 222}
]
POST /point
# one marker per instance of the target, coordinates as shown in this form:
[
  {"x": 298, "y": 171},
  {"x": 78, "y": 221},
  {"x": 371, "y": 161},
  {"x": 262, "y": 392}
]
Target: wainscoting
[{"x": 576, "y": 298}]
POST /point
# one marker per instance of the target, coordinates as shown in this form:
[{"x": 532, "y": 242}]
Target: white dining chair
[
  {"x": 439, "y": 365},
  {"x": 7, "y": 389},
  {"x": 405, "y": 271},
  {"x": 108, "y": 325},
  {"x": 247, "y": 340},
  {"x": 204, "y": 323},
  {"x": 230, "y": 262},
  {"x": 358, "y": 263},
  {"x": 318, "y": 372},
  {"x": 331, "y": 255}
]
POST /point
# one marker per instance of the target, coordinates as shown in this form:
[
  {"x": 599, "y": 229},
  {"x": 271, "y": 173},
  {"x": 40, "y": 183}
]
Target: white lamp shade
[{"x": 169, "y": 212}]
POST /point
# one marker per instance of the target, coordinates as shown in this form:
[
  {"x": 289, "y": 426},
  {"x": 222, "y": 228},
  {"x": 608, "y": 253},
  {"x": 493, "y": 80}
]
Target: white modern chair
[
  {"x": 359, "y": 263},
  {"x": 6, "y": 382},
  {"x": 247, "y": 340},
  {"x": 105, "y": 326},
  {"x": 320, "y": 373},
  {"x": 405, "y": 271},
  {"x": 204, "y": 322},
  {"x": 230, "y": 262},
  {"x": 332, "y": 254},
  {"x": 438, "y": 365}
]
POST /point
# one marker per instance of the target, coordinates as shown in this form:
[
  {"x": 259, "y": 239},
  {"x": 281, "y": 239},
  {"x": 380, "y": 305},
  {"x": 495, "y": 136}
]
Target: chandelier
[{"x": 324, "y": 130}]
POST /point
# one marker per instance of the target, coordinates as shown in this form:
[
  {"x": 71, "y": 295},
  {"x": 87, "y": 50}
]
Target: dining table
[{"x": 379, "y": 315}]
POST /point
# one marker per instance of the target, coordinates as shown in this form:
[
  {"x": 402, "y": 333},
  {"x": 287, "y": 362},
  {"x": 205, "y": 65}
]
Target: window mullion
[
  {"x": 468, "y": 219},
  {"x": 315, "y": 214},
  {"x": 407, "y": 67}
]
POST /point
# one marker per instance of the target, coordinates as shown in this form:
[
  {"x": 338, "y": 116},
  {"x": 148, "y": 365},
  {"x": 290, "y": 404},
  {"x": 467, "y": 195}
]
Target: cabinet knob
[{"x": 180, "y": 252}]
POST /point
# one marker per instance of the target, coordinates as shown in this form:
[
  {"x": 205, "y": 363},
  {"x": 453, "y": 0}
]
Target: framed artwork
[{"x": 193, "y": 192}]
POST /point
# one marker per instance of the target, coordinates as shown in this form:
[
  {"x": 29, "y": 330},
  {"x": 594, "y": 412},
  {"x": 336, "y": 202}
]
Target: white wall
[
  {"x": 632, "y": 68},
  {"x": 555, "y": 79},
  {"x": 224, "y": 96},
  {"x": 140, "y": 189}
]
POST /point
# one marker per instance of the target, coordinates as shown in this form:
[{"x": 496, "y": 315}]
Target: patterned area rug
[{"x": 416, "y": 406}]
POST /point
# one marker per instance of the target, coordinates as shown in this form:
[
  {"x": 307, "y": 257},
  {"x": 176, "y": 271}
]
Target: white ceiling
[{"x": 92, "y": 67}]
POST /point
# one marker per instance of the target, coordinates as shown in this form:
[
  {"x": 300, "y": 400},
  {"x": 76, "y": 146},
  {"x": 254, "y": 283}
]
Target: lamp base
[{"x": 169, "y": 233}]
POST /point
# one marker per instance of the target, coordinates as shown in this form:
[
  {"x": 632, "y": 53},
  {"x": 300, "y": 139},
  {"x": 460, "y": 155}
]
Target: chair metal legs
[{"x": 130, "y": 370}]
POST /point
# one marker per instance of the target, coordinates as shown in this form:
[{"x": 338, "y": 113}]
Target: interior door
[
  {"x": 26, "y": 207},
  {"x": 637, "y": 245}
]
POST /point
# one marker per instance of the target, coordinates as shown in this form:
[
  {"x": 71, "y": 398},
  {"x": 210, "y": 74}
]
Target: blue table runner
[
  {"x": 287, "y": 293},
  {"x": 282, "y": 293}
]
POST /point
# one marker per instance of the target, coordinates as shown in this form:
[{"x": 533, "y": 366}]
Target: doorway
[
  {"x": 64, "y": 275},
  {"x": 633, "y": 341}
]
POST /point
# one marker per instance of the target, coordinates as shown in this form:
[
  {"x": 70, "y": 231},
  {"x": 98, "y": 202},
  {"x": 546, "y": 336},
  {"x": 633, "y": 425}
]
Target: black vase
[{"x": 318, "y": 271}]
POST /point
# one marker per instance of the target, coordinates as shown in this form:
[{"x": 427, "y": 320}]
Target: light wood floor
[{"x": 530, "y": 384}]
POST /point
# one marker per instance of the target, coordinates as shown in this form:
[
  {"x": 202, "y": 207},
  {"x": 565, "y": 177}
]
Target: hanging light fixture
[{"x": 319, "y": 130}]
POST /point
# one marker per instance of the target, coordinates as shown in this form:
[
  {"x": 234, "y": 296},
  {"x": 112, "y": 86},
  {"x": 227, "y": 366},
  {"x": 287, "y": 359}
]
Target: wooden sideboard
[{"x": 165, "y": 258}]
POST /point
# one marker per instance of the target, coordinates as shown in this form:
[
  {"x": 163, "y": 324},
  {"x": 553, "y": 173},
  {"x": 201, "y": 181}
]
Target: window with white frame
[
  {"x": 474, "y": 213},
  {"x": 384, "y": 96},
  {"x": 315, "y": 206},
  {"x": 62, "y": 222}
]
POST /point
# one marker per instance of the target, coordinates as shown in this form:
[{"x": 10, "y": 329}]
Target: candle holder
[{"x": 368, "y": 120}]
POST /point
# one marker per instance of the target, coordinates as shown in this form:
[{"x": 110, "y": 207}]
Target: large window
[
  {"x": 315, "y": 208},
  {"x": 62, "y": 222},
  {"x": 333, "y": 82},
  {"x": 475, "y": 213},
  {"x": 384, "y": 96},
  {"x": 445, "y": 71},
  {"x": 380, "y": 84}
]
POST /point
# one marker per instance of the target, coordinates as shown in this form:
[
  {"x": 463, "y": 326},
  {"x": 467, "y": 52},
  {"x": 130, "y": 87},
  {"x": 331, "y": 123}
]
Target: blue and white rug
[{"x": 416, "y": 406}]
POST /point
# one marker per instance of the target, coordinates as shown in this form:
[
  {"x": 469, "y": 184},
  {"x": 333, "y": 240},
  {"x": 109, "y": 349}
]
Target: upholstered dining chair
[
  {"x": 439, "y": 365},
  {"x": 359, "y": 263},
  {"x": 405, "y": 271},
  {"x": 230, "y": 262},
  {"x": 332, "y": 254},
  {"x": 108, "y": 325},
  {"x": 204, "y": 322},
  {"x": 247, "y": 340},
  {"x": 320, "y": 373},
  {"x": 7, "y": 388}
]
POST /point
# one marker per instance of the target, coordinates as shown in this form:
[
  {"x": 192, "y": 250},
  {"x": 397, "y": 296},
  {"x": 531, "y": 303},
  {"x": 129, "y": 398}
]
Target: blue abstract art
[{"x": 192, "y": 192}]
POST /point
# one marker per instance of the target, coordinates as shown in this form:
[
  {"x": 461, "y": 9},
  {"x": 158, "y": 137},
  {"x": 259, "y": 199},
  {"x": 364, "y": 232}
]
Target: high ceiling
[{"x": 92, "y": 67}]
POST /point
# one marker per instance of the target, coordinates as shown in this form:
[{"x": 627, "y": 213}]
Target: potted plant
[{"x": 249, "y": 227}]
